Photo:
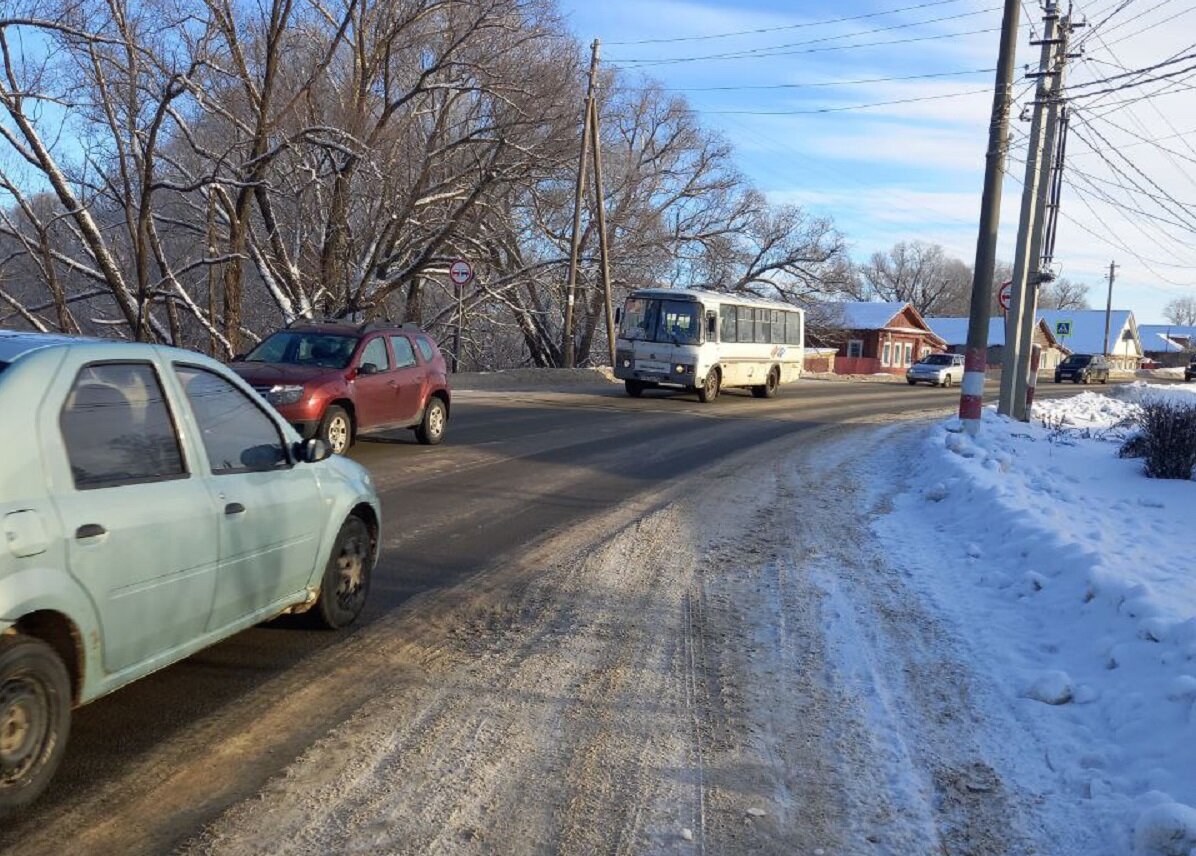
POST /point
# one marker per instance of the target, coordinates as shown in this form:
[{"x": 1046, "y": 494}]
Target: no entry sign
[
  {"x": 461, "y": 272},
  {"x": 1005, "y": 294}
]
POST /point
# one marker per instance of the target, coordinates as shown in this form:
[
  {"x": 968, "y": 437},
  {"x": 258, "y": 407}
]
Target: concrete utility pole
[
  {"x": 1036, "y": 268},
  {"x": 579, "y": 190},
  {"x": 976, "y": 357},
  {"x": 1109, "y": 305},
  {"x": 1025, "y": 262}
]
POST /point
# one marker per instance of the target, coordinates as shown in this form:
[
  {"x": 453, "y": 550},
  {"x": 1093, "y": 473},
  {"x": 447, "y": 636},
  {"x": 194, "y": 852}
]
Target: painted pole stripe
[{"x": 975, "y": 362}]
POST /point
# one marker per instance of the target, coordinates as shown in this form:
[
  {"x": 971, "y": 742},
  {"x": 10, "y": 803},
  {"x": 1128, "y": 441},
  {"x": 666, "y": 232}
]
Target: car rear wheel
[
  {"x": 336, "y": 429},
  {"x": 635, "y": 388},
  {"x": 35, "y": 718},
  {"x": 432, "y": 427},
  {"x": 711, "y": 387},
  {"x": 346, "y": 582},
  {"x": 910, "y": 381}
]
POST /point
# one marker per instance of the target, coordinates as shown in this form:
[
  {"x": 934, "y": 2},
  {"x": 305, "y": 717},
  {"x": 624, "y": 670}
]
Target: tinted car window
[
  {"x": 237, "y": 435},
  {"x": 425, "y": 348},
  {"x": 118, "y": 429},
  {"x": 404, "y": 355},
  {"x": 375, "y": 352},
  {"x": 296, "y": 347},
  {"x": 937, "y": 360},
  {"x": 1077, "y": 360}
]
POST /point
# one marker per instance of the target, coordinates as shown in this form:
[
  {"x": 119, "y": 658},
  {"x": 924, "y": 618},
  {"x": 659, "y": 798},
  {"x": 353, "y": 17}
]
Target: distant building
[
  {"x": 878, "y": 338},
  {"x": 1083, "y": 331},
  {"x": 1168, "y": 344},
  {"x": 954, "y": 331}
]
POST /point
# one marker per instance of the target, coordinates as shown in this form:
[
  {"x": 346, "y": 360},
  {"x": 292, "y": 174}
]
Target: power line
[
  {"x": 1136, "y": 83},
  {"x": 847, "y": 107},
  {"x": 1134, "y": 72},
  {"x": 821, "y": 83},
  {"x": 783, "y": 49},
  {"x": 801, "y": 26}
]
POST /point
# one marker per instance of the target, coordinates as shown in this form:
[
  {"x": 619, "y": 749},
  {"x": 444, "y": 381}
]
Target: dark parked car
[
  {"x": 1083, "y": 368},
  {"x": 337, "y": 381},
  {"x": 1190, "y": 371}
]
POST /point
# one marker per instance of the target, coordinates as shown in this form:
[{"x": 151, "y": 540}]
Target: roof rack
[{"x": 361, "y": 327}]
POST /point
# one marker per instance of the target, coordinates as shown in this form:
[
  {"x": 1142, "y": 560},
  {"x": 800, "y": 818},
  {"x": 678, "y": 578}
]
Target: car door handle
[
  {"x": 90, "y": 530},
  {"x": 234, "y": 508}
]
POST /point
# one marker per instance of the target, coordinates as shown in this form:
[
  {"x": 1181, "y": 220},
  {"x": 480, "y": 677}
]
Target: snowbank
[{"x": 1077, "y": 578}]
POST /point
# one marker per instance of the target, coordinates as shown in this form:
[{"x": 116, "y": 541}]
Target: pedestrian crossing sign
[{"x": 1062, "y": 328}]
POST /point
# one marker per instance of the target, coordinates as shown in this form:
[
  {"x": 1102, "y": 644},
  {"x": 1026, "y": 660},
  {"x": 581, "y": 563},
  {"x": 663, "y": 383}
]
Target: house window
[
  {"x": 855, "y": 348},
  {"x": 909, "y": 352},
  {"x": 886, "y": 353}
]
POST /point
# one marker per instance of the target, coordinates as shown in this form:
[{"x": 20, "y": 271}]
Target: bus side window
[
  {"x": 793, "y": 328},
  {"x": 763, "y": 326},
  {"x": 726, "y": 316},
  {"x": 745, "y": 317},
  {"x": 778, "y": 327}
]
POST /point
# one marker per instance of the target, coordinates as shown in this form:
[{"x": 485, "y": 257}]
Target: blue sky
[{"x": 914, "y": 170}]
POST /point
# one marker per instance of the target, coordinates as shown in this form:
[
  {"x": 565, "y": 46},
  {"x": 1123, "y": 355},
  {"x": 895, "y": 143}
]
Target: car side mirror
[
  {"x": 367, "y": 369},
  {"x": 239, "y": 358},
  {"x": 619, "y": 315},
  {"x": 314, "y": 450},
  {"x": 711, "y": 323}
]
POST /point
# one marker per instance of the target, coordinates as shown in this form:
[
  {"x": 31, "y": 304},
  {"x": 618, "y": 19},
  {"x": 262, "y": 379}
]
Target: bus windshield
[{"x": 652, "y": 320}]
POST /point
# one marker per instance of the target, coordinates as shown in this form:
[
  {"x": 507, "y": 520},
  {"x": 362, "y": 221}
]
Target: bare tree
[
  {"x": 1063, "y": 293},
  {"x": 916, "y": 273},
  {"x": 1181, "y": 311}
]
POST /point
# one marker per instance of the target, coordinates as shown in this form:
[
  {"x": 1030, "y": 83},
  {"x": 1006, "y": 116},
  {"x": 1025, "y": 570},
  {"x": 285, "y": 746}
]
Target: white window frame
[
  {"x": 886, "y": 353},
  {"x": 856, "y": 345},
  {"x": 908, "y": 353}
]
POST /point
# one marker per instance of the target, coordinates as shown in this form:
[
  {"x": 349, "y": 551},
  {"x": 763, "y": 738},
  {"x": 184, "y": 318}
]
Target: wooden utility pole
[
  {"x": 603, "y": 244},
  {"x": 976, "y": 358},
  {"x": 578, "y": 192},
  {"x": 1109, "y": 305}
]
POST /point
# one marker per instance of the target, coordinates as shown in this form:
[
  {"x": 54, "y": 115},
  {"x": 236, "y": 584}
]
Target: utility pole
[
  {"x": 976, "y": 357},
  {"x": 1035, "y": 267},
  {"x": 578, "y": 192},
  {"x": 1025, "y": 263},
  {"x": 1109, "y": 305},
  {"x": 459, "y": 293},
  {"x": 603, "y": 245}
]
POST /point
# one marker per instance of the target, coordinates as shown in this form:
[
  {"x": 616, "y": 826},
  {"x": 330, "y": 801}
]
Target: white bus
[{"x": 706, "y": 341}]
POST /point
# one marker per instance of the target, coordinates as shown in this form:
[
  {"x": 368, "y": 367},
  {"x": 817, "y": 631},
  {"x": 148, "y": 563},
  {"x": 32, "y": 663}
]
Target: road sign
[
  {"x": 461, "y": 272},
  {"x": 1005, "y": 294},
  {"x": 1062, "y": 328}
]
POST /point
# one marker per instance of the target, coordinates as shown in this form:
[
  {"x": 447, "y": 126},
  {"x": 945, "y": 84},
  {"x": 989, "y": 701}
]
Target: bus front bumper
[{"x": 664, "y": 375}]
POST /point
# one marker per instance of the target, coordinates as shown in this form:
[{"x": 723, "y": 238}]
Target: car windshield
[
  {"x": 1078, "y": 360},
  {"x": 937, "y": 360},
  {"x": 297, "y": 348},
  {"x": 651, "y": 320}
]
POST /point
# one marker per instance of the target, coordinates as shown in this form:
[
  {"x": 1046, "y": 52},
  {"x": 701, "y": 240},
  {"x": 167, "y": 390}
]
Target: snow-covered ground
[{"x": 1075, "y": 576}]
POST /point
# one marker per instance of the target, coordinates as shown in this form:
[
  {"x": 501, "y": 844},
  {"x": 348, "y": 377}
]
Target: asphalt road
[{"x": 149, "y": 765}]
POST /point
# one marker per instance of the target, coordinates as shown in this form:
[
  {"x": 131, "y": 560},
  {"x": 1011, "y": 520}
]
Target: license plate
[{"x": 652, "y": 366}]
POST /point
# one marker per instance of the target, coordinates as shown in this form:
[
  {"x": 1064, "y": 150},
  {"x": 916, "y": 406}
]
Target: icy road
[{"x": 599, "y": 625}]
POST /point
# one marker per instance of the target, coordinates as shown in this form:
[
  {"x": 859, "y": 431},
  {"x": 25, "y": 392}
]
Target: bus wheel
[
  {"x": 635, "y": 388},
  {"x": 709, "y": 390},
  {"x": 768, "y": 389}
]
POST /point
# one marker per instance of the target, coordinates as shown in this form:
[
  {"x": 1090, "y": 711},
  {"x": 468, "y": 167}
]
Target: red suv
[{"x": 336, "y": 381}]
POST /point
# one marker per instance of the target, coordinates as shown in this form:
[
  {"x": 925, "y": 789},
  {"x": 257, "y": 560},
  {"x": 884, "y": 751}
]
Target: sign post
[{"x": 461, "y": 273}]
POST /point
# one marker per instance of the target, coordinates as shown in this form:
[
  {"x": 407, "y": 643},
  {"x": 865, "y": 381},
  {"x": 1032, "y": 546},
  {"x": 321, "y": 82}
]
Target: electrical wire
[
  {"x": 847, "y": 107},
  {"x": 784, "y": 49},
  {"x": 781, "y": 28},
  {"x": 821, "y": 83}
]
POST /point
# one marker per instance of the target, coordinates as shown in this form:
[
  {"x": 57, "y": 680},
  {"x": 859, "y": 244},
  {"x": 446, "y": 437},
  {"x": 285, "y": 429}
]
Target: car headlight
[{"x": 281, "y": 394}]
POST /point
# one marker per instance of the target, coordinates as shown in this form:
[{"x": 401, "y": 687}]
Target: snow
[
  {"x": 867, "y": 315},
  {"x": 1076, "y": 578}
]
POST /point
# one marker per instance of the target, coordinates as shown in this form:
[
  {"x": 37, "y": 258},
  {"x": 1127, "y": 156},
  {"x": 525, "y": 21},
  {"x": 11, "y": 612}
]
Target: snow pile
[
  {"x": 1076, "y": 576},
  {"x": 1138, "y": 392}
]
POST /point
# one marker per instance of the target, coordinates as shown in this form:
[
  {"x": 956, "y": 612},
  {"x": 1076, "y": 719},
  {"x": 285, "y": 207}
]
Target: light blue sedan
[{"x": 152, "y": 504}]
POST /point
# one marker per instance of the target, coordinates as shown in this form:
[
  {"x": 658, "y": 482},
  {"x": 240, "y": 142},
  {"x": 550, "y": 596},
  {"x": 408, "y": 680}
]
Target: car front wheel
[
  {"x": 346, "y": 582},
  {"x": 336, "y": 429},
  {"x": 35, "y": 718},
  {"x": 432, "y": 427}
]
